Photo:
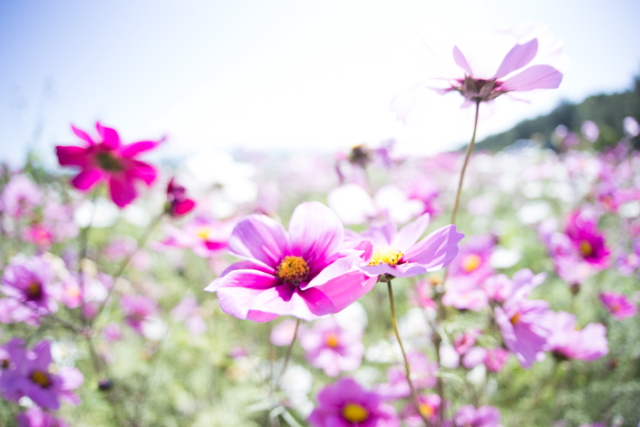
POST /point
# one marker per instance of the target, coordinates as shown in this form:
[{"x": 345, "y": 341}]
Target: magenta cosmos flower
[
  {"x": 30, "y": 375},
  {"x": 587, "y": 240},
  {"x": 110, "y": 161},
  {"x": 619, "y": 305},
  {"x": 178, "y": 203},
  {"x": 332, "y": 348},
  {"x": 347, "y": 404},
  {"x": 399, "y": 254},
  {"x": 304, "y": 273}
]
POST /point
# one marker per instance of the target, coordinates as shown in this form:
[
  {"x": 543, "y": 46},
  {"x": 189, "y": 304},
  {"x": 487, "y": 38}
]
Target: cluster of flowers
[{"x": 317, "y": 270}]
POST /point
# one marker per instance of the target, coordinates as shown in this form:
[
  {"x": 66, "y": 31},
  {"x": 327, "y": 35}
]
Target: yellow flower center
[
  {"x": 34, "y": 291},
  {"x": 332, "y": 340},
  {"x": 386, "y": 255},
  {"x": 471, "y": 263},
  {"x": 354, "y": 413},
  {"x": 585, "y": 248},
  {"x": 515, "y": 319},
  {"x": 293, "y": 269},
  {"x": 204, "y": 233},
  {"x": 426, "y": 410},
  {"x": 41, "y": 378}
]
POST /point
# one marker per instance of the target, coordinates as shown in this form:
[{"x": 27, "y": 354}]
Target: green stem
[
  {"x": 407, "y": 368},
  {"x": 464, "y": 165},
  {"x": 288, "y": 355}
]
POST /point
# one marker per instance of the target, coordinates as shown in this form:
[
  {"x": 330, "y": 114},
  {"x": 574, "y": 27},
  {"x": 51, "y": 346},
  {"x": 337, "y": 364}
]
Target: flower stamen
[
  {"x": 354, "y": 413},
  {"x": 293, "y": 269},
  {"x": 386, "y": 255}
]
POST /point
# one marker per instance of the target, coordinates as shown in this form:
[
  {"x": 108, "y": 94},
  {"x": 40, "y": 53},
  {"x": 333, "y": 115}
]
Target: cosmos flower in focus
[
  {"x": 520, "y": 58},
  {"x": 347, "y": 404},
  {"x": 306, "y": 272},
  {"x": 108, "y": 160}
]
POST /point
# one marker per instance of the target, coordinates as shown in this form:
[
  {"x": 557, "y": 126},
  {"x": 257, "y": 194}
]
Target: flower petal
[
  {"x": 143, "y": 171},
  {"x": 536, "y": 77},
  {"x": 461, "y": 61},
  {"x": 82, "y": 135},
  {"x": 410, "y": 233},
  {"x": 136, "y": 148},
  {"x": 315, "y": 232},
  {"x": 260, "y": 238},
  {"x": 122, "y": 190},
  {"x": 110, "y": 137},
  {"x": 519, "y": 56},
  {"x": 237, "y": 290},
  {"x": 436, "y": 250},
  {"x": 288, "y": 299},
  {"x": 69, "y": 155},
  {"x": 86, "y": 179}
]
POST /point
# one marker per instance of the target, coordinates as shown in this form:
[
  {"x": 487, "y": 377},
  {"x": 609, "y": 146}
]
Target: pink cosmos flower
[
  {"x": 465, "y": 341},
  {"x": 423, "y": 375},
  {"x": 484, "y": 416},
  {"x": 27, "y": 284},
  {"x": 332, "y": 348},
  {"x": 588, "y": 241},
  {"x": 109, "y": 161},
  {"x": 305, "y": 273},
  {"x": 429, "y": 405},
  {"x": 524, "y": 52},
  {"x": 204, "y": 235},
  {"x": 619, "y": 305},
  {"x": 400, "y": 254},
  {"x": 189, "y": 312},
  {"x": 178, "y": 203},
  {"x": 30, "y": 375},
  {"x": 347, "y": 404},
  {"x": 137, "y": 309},
  {"x": 495, "y": 359},
  {"x": 36, "y": 417},
  {"x": 521, "y": 320},
  {"x": 20, "y": 197},
  {"x": 566, "y": 340}
]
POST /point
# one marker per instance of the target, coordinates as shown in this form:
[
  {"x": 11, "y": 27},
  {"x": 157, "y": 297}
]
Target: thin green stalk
[
  {"x": 407, "y": 368},
  {"x": 288, "y": 355},
  {"x": 464, "y": 165}
]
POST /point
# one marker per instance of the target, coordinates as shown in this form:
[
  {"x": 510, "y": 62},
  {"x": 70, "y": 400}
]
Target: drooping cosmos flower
[
  {"x": 178, "y": 203},
  {"x": 566, "y": 340},
  {"x": 347, "y": 404},
  {"x": 515, "y": 59},
  {"x": 332, "y": 348},
  {"x": 484, "y": 416},
  {"x": 108, "y": 160},
  {"x": 305, "y": 273},
  {"x": 400, "y": 254},
  {"x": 619, "y": 305},
  {"x": 30, "y": 375}
]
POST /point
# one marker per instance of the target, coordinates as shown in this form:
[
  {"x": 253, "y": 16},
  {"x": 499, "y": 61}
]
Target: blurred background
[{"x": 280, "y": 75}]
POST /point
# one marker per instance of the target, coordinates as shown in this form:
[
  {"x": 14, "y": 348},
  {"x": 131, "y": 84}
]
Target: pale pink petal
[
  {"x": 261, "y": 238},
  {"x": 72, "y": 378},
  {"x": 346, "y": 289},
  {"x": 519, "y": 56},
  {"x": 410, "y": 233},
  {"x": 110, "y": 137},
  {"x": 122, "y": 190},
  {"x": 338, "y": 268},
  {"x": 238, "y": 289},
  {"x": 437, "y": 250},
  {"x": 462, "y": 62},
  {"x": 136, "y": 148},
  {"x": 315, "y": 231},
  {"x": 536, "y": 77},
  {"x": 86, "y": 179},
  {"x": 287, "y": 299},
  {"x": 82, "y": 135}
]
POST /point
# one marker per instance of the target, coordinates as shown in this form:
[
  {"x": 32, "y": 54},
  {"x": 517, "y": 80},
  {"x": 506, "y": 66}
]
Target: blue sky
[{"x": 271, "y": 74}]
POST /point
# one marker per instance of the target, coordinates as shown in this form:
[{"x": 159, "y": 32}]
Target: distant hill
[{"x": 607, "y": 111}]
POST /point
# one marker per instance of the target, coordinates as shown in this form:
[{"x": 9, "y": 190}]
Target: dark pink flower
[
  {"x": 588, "y": 241},
  {"x": 347, "y": 404},
  {"x": 332, "y": 348},
  {"x": 619, "y": 305},
  {"x": 30, "y": 375},
  {"x": 305, "y": 273},
  {"x": 108, "y": 160},
  {"x": 495, "y": 359},
  {"x": 465, "y": 341}
]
